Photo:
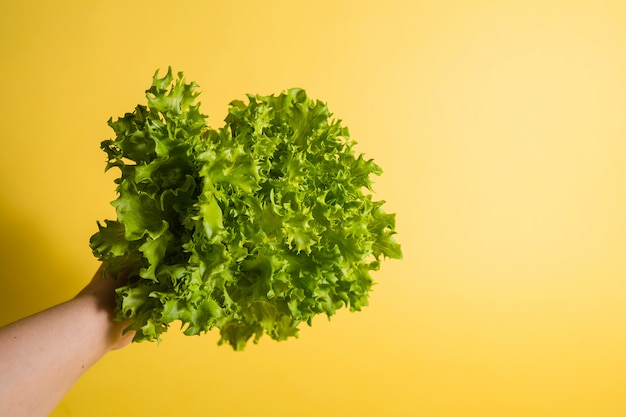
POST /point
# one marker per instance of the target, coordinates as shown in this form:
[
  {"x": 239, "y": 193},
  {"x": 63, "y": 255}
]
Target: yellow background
[{"x": 501, "y": 128}]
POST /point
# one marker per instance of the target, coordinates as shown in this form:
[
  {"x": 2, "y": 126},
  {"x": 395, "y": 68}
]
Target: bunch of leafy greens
[{"x": 253, "y": 228}]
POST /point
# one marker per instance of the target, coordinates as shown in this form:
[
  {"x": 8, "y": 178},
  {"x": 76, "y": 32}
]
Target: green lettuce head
[{"x": 252, "y": 228}]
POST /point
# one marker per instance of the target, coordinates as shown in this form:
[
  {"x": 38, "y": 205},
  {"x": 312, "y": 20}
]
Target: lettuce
[{"x": 253, "y": 228}]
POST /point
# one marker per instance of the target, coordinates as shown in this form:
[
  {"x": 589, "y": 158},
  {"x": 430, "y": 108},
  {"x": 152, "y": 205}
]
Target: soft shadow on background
[{"x": 35, "y": 275}]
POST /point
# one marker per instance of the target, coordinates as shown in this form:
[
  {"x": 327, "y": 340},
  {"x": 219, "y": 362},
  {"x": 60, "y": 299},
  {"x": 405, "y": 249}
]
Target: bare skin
[{"x": 43, "y": 355}]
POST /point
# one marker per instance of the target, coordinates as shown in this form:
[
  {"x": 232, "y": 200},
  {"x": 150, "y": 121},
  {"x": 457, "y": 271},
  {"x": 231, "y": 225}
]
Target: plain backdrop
[{"x": 499, "y": 126}]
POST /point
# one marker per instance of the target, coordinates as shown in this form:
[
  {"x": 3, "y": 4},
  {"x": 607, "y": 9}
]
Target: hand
[
  {"x": 43, "y": 355},
  {"x": 102, "y": 287}
]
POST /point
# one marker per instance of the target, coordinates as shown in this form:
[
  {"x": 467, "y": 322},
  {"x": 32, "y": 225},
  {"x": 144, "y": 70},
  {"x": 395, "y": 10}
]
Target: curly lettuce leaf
[{"x": 253, "y": 228}]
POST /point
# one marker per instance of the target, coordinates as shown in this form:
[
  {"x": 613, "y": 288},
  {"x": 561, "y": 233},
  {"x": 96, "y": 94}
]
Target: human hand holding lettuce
[{"x": 252, "y": 228}]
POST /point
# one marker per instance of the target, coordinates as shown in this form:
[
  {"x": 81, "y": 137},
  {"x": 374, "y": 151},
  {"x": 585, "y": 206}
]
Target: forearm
[{"x": 43, "y": 355}]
